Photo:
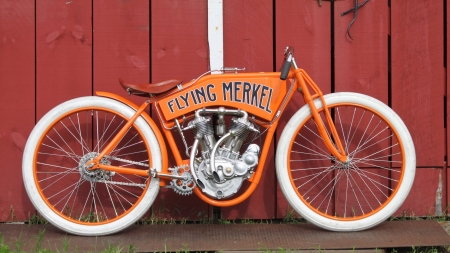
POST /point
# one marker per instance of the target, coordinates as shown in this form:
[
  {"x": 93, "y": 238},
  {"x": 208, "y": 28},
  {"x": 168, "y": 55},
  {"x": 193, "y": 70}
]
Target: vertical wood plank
[
  {"x": 179, "y": 50},
  {"x": 447, "y": 58},
  {"x": 305, "y": 26},
  {"x": 248, "y": 35},
  {"x": 63, "y": 52},
  {"x": 179, "y": 39},
  {"x": 248, "y": 42},
  {"x": 361, "y": 64},
  {"x": 418, "y": 75},
  {"x": 121, "y": 44},
  {"x": 17, "y": 103},
  {"x": 422, "y": 197}
]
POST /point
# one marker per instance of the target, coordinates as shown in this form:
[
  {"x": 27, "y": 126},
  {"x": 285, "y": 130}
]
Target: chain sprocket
[{"x": 182, "y": 186}]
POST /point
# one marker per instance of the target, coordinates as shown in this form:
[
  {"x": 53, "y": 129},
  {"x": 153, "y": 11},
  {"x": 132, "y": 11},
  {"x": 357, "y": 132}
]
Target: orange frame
[{"x": 263, "y": 95}]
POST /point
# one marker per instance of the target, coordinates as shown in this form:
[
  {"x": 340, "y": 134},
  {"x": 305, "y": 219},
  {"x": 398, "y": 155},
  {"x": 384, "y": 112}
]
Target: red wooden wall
[{"x": 51, "y": 51}]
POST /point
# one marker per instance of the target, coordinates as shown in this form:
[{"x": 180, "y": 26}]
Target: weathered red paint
[
  {"x": 361, "y": 64},
  {"x": 17, "y": 71},
  {"x": 122, "y": 45},
  {"x": 179, "y": 40},
  {"x": 447, "y": 119},
  {"x": 145, "y": 41},
  {"x": 418, "y": 75},
  {"x": 63, "y": 53},
  {"x": 422, "y": 198},
  {"x": 306, "y": 27}
]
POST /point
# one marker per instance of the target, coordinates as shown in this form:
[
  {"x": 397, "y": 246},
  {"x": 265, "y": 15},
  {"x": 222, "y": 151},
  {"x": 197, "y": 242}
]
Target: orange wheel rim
[
  {"x": 46, "y": 198},
  {"x": 365, "y": 215}
]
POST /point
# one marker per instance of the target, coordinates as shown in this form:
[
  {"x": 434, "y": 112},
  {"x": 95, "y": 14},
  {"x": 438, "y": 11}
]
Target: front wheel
[
  {"x": 70, "y": 195},
  {"x": 361, "y": 192}
]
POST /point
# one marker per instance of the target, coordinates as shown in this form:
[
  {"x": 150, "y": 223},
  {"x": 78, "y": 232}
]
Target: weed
[
  {"x": 11, "y": 214},
  {"x": 441, "y": 218},
  {"x": 112, "y": 249},
  {"x": 3, "y": 247},
  {"x": 156, "y": 218},
  {"x": 225, "y": 221},
  {"x": 131, "y": 248},
  {"x": 65, "y": 244},
  {"x": 206, "y": 220},
  {"x": 185, "y": 249},
  {"x": 183, "y": 221},
  {"x": 19, "y": 244},
  {"x": 406, "y": 216},
  {"x": 265, "y": 249},
  {"x": 39, "y": 240},
  {"x": 414, "y": 249},
  {"x": 36, "y": 219},
  {"x": 318, "y": 249},
  {"x": 247, "y": 221},
  {"x": 290, "y": 218}
]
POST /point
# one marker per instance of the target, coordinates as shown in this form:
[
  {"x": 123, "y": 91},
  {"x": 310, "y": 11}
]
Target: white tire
[
  {"x": 89, "y": 202},
  {"x": 347, "y": 196}
]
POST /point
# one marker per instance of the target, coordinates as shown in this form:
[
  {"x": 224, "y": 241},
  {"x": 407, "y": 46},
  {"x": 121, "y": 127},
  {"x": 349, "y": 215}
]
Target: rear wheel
[
  {"x": 61, "y": 186},
  {"x": 352, "y": 195}
]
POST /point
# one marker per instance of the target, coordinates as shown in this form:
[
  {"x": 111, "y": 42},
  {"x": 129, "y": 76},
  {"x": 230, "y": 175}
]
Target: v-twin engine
[{"x": 220, "y": 169}]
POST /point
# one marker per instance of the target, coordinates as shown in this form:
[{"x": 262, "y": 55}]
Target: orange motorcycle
[{"x": 94, "y": 165}]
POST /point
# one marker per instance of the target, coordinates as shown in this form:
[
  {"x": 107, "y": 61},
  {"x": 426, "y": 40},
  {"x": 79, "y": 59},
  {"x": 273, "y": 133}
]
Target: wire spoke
[{"x": 363, "y": 183}]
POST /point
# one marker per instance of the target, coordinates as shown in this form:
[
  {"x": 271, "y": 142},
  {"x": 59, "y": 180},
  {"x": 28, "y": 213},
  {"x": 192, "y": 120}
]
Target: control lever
[{"x": 231, "y": 69}]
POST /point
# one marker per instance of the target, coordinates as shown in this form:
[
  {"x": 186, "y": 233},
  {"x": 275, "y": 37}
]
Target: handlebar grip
[{"x": 285, "y": 70}]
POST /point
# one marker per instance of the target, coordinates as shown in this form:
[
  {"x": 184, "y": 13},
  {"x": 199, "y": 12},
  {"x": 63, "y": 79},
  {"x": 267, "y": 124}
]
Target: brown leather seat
[{"x": 151, "y": 88}]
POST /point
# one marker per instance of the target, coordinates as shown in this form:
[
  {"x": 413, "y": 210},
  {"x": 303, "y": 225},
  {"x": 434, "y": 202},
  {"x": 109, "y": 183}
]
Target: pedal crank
[{"x": 181, "y": 179}]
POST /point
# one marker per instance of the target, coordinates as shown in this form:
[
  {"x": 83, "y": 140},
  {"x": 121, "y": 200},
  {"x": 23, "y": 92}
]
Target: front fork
[{"x": 304, "y": 83}]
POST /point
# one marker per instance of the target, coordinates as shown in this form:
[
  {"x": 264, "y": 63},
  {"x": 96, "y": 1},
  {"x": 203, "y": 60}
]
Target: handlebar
[
  {"x": 288, "y": 51},
  {"x": 288, "y": 58},
  {"x": 285, "y": 70}
]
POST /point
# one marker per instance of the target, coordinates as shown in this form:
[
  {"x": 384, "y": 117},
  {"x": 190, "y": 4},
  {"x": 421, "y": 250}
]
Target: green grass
[
  {"x": 37, "y": 219},
  {"x": 18, "y": 245},
  {"x": 113, "y": 248},
  {"x": 410, "y": 215}
]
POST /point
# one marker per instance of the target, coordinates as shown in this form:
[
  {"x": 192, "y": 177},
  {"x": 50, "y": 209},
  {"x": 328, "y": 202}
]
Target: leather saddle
[{"x": 146, "y": 90}]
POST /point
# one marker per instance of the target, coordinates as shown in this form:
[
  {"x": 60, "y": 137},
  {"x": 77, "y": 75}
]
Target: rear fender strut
[{"x": 151, "y": 123}]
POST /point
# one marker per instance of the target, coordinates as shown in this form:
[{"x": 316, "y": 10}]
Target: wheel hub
[
  {"x": 347, "y": 165},
  {"x": 94, "y": 175}
]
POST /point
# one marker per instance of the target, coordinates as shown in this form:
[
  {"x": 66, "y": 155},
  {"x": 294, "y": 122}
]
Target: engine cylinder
[
  {"x": 201, "y": 126},
  {"x": 203, "y": 131},
  {"x": 240, "y": 128}
]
